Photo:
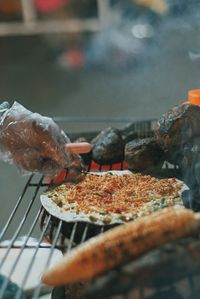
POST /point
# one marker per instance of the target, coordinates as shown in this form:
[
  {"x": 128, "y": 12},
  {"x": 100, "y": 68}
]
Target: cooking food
[
  {"x": 177, "y": 127},
  {"x": 122, "y": 244},
  {"x": 108, "y": 147},
  {"x": 130, "y": 132},
  {"x": 143, "y": 155},
  {"x": 167, "y": 265},
  {"x": 190, "y": 165},
  {"x": 112, "y": 197},
  {"x": 178, "y": 133}
]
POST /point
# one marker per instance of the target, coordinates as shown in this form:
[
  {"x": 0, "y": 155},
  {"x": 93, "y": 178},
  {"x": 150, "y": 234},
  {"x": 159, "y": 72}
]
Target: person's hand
[{"x": 35, "y": 143}]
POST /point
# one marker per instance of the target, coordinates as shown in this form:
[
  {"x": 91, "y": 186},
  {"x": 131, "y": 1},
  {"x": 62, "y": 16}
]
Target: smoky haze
[{"x": 132, "y": 35}]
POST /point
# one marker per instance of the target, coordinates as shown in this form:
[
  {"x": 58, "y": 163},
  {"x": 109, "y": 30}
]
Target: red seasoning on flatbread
[{"x": 113, "y": 197}]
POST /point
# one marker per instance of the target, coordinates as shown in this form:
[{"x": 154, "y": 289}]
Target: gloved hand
[{"x": 33, "y": 142}]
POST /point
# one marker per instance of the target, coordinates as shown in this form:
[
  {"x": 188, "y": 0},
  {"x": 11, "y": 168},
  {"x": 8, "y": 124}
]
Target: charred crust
[
  {"x": 108, "y": 147},
  {"x": 143, "y": 155}
]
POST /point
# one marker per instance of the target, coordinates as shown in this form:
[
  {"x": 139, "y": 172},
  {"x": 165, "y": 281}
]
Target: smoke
[
  {"x": 194, "y": 55},
  {"x": 119, "y": 47},
  {"x": 132, "y": 36},
  {"x": 123, "y": 44},
  {"x": 191, "y": 173}
]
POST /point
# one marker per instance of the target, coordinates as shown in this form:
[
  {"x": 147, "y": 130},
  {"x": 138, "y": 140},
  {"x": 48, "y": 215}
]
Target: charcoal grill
[{"x": 58, "y": 234}]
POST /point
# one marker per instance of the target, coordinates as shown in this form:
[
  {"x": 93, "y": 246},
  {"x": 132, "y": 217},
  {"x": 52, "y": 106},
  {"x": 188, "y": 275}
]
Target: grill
[{"x": 56, "y": 233}]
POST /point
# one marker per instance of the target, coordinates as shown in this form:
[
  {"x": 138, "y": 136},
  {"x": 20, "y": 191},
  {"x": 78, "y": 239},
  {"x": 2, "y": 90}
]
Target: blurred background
[
  {"x": 102, "y": 59},
  {"x": 94, "y": 63}
]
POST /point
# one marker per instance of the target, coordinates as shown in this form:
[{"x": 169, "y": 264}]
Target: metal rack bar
[
  {"x": 6, "y": 281},
  {"x": 72, "y": 237},
  {"x": 28, "y": 11},
  {"x": 33, "y": 257},
  {"x": 10, "y": 218},
  {"x": 104, "y": 12},
  {"x": 49, "y": 27},
  {"x": 82, "y": 119},
  {"x": 21, "y": 224},
  {"x": 37, "y": 290},
  {"x": 84, "y": 233}
]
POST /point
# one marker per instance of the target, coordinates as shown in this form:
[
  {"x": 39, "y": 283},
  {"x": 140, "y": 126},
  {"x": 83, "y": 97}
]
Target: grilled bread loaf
[{"x": 122, "y": 244}]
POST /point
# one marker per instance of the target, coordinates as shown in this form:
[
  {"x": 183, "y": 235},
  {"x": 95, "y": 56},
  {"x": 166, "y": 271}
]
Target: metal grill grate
[{"x": 58, "y": 234}]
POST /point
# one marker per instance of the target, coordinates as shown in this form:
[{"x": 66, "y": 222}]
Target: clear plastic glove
[{"x": 34, "y": 143}]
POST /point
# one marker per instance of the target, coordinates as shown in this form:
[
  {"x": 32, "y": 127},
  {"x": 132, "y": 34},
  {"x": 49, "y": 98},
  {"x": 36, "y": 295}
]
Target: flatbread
[{"x": 107, "y": 211}]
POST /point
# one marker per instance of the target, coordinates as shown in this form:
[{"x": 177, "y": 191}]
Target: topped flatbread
[{"x": 112, "y": 197}]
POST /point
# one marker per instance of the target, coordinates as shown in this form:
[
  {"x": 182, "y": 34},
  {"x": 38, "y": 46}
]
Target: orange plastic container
[{"x": 194, "y": 96}]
